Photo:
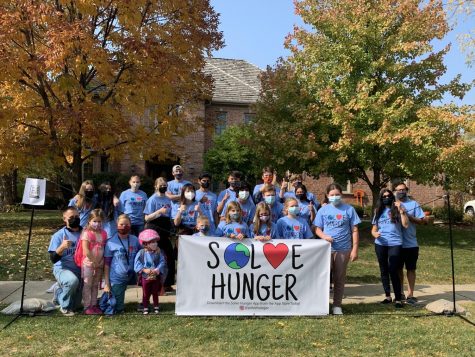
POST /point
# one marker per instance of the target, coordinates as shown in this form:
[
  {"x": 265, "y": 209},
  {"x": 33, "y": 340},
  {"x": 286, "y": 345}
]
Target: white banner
[
  {"x": 35, "y": 192},
  {"x": 221, "y": 276}
]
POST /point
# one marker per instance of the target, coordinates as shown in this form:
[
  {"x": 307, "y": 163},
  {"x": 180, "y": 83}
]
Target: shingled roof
[{"x": 235, "y": 81}]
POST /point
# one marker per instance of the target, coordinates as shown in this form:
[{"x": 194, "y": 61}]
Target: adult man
[
  {"x": 174, "y": 187},
  {"x": 410, "y": 248},
  {"x": 68, "y": 275}
]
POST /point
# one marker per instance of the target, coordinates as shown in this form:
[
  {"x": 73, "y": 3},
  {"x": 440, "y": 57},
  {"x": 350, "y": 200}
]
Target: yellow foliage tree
[{"x": 77, "y": 77}]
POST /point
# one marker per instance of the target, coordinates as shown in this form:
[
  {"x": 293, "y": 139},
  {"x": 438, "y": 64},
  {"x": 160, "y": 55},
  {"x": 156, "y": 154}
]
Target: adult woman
[
  {"x": 85, "y": 201},
  {"x": 110, "y": 204},
  {"x": 389, "y": 218},
  {"x": 157, "y": 217}
]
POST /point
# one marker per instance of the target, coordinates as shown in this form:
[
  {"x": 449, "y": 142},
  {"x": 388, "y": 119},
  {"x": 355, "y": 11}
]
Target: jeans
[
  {"x": 389, "y": 259},
  {"x": 70, "y": 288},
  {"x": 119, "y": 293}
]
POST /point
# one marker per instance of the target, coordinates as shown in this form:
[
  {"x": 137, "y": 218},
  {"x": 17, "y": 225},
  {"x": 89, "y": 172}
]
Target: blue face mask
[
  {"x": 334, "y": 200},
  {"x": 269, "y": 200},
  {"x": 234, "y": 216},
  {"x": 294, "y": 211}
]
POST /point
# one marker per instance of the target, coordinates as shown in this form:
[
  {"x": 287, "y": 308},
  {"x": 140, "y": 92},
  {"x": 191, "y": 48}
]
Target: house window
[
  {"x": 104, "y": 163},
  {"x": 347, "y": 189},
  {"x": 249, "y": 117},
  {"x": 221, "y": 122}
]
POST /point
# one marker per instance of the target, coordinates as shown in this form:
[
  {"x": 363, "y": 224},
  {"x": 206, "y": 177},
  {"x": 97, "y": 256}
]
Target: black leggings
[{"x": 389, "y": 259}]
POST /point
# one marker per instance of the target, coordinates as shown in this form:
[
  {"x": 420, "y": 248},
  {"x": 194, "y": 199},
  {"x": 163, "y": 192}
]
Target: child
[
  {"x": 248, "y": 207},
  {"x": 268, "y": 179},
  {"x": 203, "y": 226},
  {"x": 175, "y": 186},
  {"x": 150, "y": 264},
  {"x": 389, "y": 218},
  {"x": 93, "y": 240},
  {"x": 269, "y": 197},
  {"x": 229, "y": 194},
  {"x": 262, "y": 228},
  {"x": 207, "y": 199},
  {"x": 233, "y": 227},
  {"x": 85, "y": 201},
  {"x": 337, "y": 224},
  {"x": 119, "y": 258},
  {"x": 292, "y": 226},
  {"x": 308, "y": 210},
  {"x": 110, "y": 204},
  {"x": 133, "y": 203},
  {"x": 185, "y": 216}
]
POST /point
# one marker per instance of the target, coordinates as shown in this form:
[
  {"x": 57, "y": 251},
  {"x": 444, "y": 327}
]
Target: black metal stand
[
  {"x": 26, "y": 261},
  {"x": 451, "y": 250}
]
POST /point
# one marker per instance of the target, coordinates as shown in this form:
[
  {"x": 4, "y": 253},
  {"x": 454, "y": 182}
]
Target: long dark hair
[
  {"x": 330, "y": 187},
  {"x": 183, "y": 189},
  {"x": 395, "y": 216},
  {"x": 304, "y": 189},
  {"x": 106, "y": 203}
]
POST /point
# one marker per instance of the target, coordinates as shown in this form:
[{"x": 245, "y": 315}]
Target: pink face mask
[{"x": 96, "y": 225}]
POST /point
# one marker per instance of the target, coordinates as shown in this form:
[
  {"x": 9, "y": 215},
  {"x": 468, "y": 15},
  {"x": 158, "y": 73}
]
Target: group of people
[{"x": 128, "y": 239}]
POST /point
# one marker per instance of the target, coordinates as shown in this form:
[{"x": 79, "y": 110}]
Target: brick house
[{"x": 236, "y": 88}]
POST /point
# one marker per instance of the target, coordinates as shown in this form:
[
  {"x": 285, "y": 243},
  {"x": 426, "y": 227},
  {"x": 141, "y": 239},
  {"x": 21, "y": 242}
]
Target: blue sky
[{"x": 254, "y": 30}]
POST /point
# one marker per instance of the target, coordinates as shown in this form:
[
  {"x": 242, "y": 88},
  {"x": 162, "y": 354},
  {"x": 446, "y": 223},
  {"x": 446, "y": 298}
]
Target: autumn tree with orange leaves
[
  {"x": 367, "y": 82},
  {"x": 82, "y": 77}
]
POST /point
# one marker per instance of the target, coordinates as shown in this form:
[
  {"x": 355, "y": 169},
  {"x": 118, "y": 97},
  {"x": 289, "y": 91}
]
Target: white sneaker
[
  {"x": 145, "y": 311},
  {"x": 66, "y": 312},
  {"x": 337, "y": 310},
  {"x": 52, "y": 288}
]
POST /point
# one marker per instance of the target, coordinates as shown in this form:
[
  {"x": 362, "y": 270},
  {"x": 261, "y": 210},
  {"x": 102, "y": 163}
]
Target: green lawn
[
  {"x": 367, "y": 330},
  {"x": 434, "y": 262}
]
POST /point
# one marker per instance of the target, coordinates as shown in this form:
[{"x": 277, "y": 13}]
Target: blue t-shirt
[
  {"x": 189, "y": 216},
  {"x": 338, "y": 222},
  {"x": 174, "y": 187},
  {"x": 133, "y": 204},
  {"x": 391, "y": 233},
  {"x": 257, "y": 194},
  {"x": 277, "y": 211},
  {"x": 155, "y": 202},
  {"x": 263, "y": 231},
  {"x": 226, "y": 229},
  {"x": 67, "y": 259},
  {"x": 83, "y": 212},
  {"x": 248, "y": 209},
  {"x": 305, "y": 211},
  {"x": 151, "y": 260},
  {"x": 409, "y": 239},
  {"x": 293, "y": 228},
  {"x": 110, "y": 225},
  {"x": 209, "y": 207},
  {"x": 119, "y": 249}
]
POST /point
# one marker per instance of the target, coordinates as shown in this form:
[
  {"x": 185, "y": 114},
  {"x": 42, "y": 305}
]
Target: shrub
[{"x": 442, "y": 213}]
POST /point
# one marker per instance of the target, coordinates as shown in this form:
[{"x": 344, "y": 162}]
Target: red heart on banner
[{"x": 275, "y": 254}]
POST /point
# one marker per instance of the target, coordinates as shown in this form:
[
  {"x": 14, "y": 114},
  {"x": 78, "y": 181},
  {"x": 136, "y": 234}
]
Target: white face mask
[
  {"x": 135, "y": 186},
  {"x": 189, "y": 195},
  {"x": 243, "y": 195}
]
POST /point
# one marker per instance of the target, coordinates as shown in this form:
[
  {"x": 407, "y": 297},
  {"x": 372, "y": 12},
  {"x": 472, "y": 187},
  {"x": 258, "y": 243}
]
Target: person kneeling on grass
[
  {"x": 119, "y": 258},
  {"x": 151, "y": 265},
  {"x": 68, "y": 275}
]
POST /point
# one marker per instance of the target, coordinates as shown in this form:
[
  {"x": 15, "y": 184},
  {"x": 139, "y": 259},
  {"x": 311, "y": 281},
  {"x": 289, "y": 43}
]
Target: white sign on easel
[{"x": 35, "y": 192}]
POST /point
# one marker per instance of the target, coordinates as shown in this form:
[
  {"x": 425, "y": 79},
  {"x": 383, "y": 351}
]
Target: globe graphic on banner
[{"x": 236, "y": 255}]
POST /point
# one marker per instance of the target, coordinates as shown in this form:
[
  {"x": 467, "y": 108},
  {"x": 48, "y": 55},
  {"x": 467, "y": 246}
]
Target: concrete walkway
[{"x": 10, "y": 291}]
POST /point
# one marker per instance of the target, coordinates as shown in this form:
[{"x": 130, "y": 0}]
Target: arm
[
  {"x": 161, "y": 267},
  {"x": 221, "y": 203},
  {"x": 85, "y": 248},
  {"x": 356, "y": 241},
  {"x": 374, "y": 232},
  {"x": 138, "y": 265},
  {"x": 319, "y": 232},
  {"x": 107, "y": 268},
  {"x": 402, "y": 212},
  {"x": 177, "y": 220}
]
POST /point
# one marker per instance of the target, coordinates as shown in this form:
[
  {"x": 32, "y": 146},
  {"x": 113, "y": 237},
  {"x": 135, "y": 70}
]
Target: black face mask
[
  {"x": 89, "y": 194},
  {"x": 74, "y": 222},
  {"x": 401, "y": 195},
  {"x": 204, "y": 184},
  {"x": 107, "y": 194},
  {"x": 388, "y": 201},
  {"x": 162, "y": 189},
  {"x": 235, "y": 184},
  {"x": 178, "y": 176},
  {"x": 301, "y": 196}
]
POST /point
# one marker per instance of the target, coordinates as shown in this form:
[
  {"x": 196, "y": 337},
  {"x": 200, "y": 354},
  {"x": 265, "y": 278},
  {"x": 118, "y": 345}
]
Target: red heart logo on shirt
[
  {"x": 339, "y": 216},
  {"x": 238, "y": 230},
  {"x": 275, "y": 254},
  {"x": 297, "y": 228}
]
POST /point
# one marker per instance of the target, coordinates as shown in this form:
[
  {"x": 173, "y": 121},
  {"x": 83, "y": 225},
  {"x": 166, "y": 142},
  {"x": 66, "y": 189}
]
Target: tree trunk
[{"x": 8, "y": 189}]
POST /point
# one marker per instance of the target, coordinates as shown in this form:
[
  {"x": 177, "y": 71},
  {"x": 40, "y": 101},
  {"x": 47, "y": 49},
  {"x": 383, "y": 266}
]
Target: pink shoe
[
  {"x": 90, "y": 311},
  {"x": 97, "y": 310}
]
